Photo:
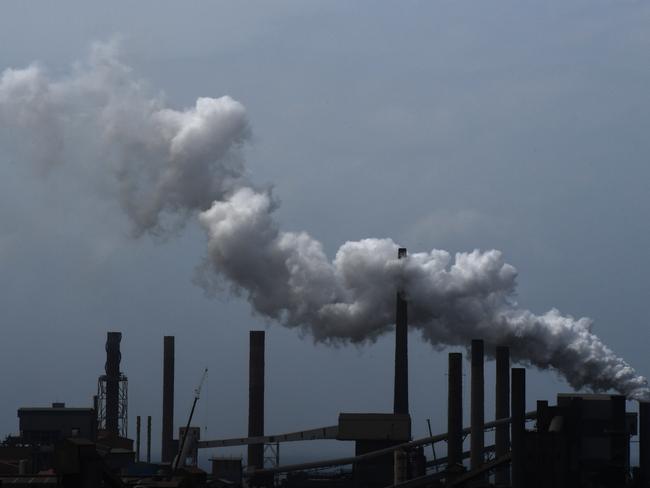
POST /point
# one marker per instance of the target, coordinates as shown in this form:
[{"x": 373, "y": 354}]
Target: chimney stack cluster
[{"x": 504, "y": 405}]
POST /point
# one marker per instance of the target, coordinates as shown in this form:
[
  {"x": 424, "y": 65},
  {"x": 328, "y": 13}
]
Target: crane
[{"x": 182, "y": 451}]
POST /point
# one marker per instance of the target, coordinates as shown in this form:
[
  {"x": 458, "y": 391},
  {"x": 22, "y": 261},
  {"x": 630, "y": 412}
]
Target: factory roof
[
  {"x": 588, "y": 396},
  {"x": 54, "y": 409}
]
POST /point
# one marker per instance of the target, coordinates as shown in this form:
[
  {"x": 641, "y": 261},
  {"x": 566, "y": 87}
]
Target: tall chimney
[
  {"x": 455, "y": 410},
  {"x": 644, "y": 443},
  {"x": 168, "y": 401},
  {"x": 518, "y": 427},
  {"x": 256, "y": 398},
  {"x": 112, "y": 368},
  {"x": 137, "y": 439},
  {"x": 149, "y": 439},
  {"x": 502, "y": 411},
  {"x": 401, "y": 397},
  {"x": 477, "y": 409}
]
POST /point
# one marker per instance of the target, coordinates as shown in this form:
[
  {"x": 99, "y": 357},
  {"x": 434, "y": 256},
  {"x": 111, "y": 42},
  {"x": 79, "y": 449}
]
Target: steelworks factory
[{"x": 583, "y": 440}]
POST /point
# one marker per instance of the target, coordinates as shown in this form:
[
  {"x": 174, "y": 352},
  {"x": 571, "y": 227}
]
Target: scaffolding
[
  {"x": 272, "y": 455},
  {"x": 123, "y": 402}
]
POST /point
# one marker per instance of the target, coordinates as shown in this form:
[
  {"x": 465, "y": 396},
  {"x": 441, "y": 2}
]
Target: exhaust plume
[{"x": 170, "y": 164}]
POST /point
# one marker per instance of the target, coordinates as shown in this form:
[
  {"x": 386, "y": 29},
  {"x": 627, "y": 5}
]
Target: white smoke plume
[
  {"x": 165, "y": 161},
  {"x": 168, "y": 162}
]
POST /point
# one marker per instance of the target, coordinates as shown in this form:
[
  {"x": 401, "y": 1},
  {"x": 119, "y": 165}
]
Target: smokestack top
[
  {"x": 112, "y": 378},
  {"x": 113, "y": 355},
  {"x": 401, "y": 253}
]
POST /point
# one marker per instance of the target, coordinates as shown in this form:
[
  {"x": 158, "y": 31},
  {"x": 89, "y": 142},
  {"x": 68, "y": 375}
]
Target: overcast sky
[{"x": 515, "y": 125}]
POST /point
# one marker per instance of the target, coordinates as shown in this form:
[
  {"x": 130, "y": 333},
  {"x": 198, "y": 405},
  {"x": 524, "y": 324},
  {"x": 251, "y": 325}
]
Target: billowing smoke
[
  {"x": 170, "y": 164},
  {"x": 166, "y": 162}
]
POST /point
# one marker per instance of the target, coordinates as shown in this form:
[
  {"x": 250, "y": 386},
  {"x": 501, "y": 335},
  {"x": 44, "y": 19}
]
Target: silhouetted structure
[
  {"x": 112, "y": 391},
  {"x": 477, "y": 407},
  {"x": 518, "y": 427},
  {"x": 168, "y": 451},
  {"x": 455, "y": 410},
  {"x": 502, "y": 410},
  {"x": 50, "y": 425},
  {"x": 582, "y": 442},
  {"x": 401, "y": 389},
  {"x": 256, "y": 397},
  {"x": 644, "y": 443}
]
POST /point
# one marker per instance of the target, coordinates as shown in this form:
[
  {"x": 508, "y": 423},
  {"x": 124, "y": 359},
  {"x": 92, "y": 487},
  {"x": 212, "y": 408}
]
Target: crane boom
[
  {"x": 197, "y": 394},
  {"x": 197, "y": 391}
]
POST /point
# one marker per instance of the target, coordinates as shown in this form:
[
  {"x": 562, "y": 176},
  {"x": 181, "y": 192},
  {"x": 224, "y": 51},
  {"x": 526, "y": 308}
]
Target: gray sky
[{"x": 520, "y": 126}]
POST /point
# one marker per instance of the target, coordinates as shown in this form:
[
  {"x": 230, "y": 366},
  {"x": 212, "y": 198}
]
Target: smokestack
[
  {"x": 168, "y": 401},
  {"x": 502, "y": 410},
  {"x": 137, "y": 439},
  {"x": 256, "y": 398},
  {"x": 149, "y": 439},
  {"x": 455, "y": 410},
  {"x": 477, "y": 411},
  {"x": 112, "y": 368},
  {"x": 644, "y": 442},
  {"x": 401, "y": 398},
  {"x": 518, "y": 427}
]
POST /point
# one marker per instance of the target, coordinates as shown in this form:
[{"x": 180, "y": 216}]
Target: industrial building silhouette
[{"x": 581, "y": 441}]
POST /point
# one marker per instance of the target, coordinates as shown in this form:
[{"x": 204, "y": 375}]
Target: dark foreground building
[
  {"x": 582, "y": 441},
  {"x": 51, "y": 425}
]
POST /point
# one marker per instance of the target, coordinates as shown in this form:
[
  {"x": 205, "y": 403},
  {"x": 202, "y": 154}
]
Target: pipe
[
  {"x": 256, "y": 398},
  {"x": 455, "y": 409},
  {"x": 137, "y": 439},
  {"x": 644, "y": 442},
  {"x": 149, "y": 439},
  {"x": 518, "y": 427},
  {"x": 380, "y": 452},
  {"x": 477, "y": 410},
  {"x": 502, "y": 411},
  {"x": 401, "y": 387},
  {"x": 168, "y": 401}
]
